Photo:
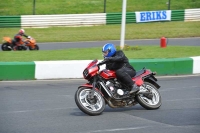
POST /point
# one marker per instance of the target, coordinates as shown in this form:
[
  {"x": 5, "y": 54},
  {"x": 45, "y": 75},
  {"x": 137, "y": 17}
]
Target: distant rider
[
  {"x": 117, "y": 61},
  {"x": 18, "y": 38}
]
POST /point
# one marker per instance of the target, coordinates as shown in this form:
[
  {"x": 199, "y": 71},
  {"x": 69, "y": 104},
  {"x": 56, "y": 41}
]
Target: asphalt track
[
  {"x": 195, "y": 41},
  {"x": 171, "y": 42},
  {"x": 48, "y": 106}
]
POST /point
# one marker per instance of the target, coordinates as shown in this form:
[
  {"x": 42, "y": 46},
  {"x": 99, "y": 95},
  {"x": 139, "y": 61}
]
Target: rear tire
[
  {"x": 91, "y": 107},
  {"x": 147, "y": 103},
  {"x": 4, "y": 47}
]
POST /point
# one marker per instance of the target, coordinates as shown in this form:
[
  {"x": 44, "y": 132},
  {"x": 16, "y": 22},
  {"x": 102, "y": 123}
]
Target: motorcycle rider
[
  {"x": 18, "y": 38},
  {"x": 117, "y": 61}
]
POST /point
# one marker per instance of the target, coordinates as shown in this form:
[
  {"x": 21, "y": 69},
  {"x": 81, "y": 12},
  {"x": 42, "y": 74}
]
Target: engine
[
  {"x": 115, "y": 87},
  {"x": 118, "y": 90}
]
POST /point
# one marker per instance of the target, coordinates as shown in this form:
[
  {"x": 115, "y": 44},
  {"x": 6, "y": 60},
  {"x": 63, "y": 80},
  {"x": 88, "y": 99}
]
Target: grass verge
[
  {"x": 25, "y": 7},
  {"x": 110, "y": 32},
  {"x": 143, "y": 52}
]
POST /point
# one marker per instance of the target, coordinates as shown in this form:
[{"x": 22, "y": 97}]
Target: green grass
[
  {"x": 25, "y": 7},
  {"x": 95, "y": 33},
  {"x": 95, "y": 53},
  {"x": 106, "y": 32},
  {"x": 110, "y": 32}
]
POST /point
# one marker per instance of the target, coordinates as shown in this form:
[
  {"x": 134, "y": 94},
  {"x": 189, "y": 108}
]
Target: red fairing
[
  {"x": 107, "y": 74},
  {"x": 92, "y": 63},
  {"x": 93, "y": 70},
  {"x": 86, "y": 85},
  {"x": 138, "y": 80},
  {"x": 89, "y": 86}
]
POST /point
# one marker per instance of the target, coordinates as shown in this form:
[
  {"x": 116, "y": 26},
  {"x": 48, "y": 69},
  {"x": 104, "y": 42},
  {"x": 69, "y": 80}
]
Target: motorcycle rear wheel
[
  {"x": 150, "y": 103},
  {"x": 4, "y": 47},
  {"x": 89, "y": 106}
]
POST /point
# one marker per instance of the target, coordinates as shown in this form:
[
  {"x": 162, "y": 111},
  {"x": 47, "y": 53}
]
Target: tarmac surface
[
  {"x": 170, "y": 42},
  {"x": 48, "y": 106}
]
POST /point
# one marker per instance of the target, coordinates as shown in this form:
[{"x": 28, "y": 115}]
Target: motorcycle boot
[
  {"x": 15, "y": 48},
  {"x": 134, "y": 89}
]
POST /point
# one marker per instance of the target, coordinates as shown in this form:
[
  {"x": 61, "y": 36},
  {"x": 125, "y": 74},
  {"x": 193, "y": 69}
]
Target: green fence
[
  {"x": 178, "y": 15},
  {"x": 10, "y": 21},
  {"x": 111, "y": 18},
  {"x": 115, "y": 18}
]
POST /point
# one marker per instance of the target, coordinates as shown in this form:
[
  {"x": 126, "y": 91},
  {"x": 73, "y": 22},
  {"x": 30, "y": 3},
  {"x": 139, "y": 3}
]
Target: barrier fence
[
  {"x": 28, "y": 21},
  {"x": 192, "y": 15},
  {"x": 62, "y": 69}
]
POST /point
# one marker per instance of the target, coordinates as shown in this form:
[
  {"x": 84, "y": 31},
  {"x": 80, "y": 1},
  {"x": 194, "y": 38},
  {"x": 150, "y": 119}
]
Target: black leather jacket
[{"x": 117, "y": 61}]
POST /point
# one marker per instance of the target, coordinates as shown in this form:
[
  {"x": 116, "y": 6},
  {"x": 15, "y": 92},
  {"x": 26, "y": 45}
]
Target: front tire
[
  {"x": 149, "y": 103},
  {"x": 89, "y": 106},
  {"x": 36, "y": 47}
]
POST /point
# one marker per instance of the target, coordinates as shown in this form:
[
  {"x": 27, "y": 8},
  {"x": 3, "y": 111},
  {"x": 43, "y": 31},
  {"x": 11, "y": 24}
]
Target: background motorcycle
[
  {"x": 103, "y": 88},
  {"x": 29, "y": 42}
]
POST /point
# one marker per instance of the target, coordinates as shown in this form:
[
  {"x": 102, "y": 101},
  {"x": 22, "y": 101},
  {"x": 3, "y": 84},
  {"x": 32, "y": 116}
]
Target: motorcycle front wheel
[
  {"x": 35, "y": 48},
  {"x": 89, "y": 106},
  {"x": 149, "y": 102}
]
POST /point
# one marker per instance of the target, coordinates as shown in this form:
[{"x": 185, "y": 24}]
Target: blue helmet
[{"x": 108, "y": 50}]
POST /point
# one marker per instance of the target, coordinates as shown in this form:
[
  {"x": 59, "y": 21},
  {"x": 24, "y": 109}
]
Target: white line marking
[
  {"x": 66, "y": 95},
  {"x": 178, "y": 76},
  {"x": 188, "y": 88},
  {"x": 25, "y": 111},
  {"x": 182, "y": 99},
  {"x": 47, "y": 80},
  {"x": 147, "y": 120},
  {"x": 117, "y": 129}
]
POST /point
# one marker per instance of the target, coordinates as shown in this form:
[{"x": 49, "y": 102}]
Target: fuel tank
[{"x": 107, "y": 74}]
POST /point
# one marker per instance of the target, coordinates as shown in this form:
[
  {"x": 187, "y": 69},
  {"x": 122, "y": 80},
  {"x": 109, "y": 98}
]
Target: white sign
[{"x": 150, "y": 16}]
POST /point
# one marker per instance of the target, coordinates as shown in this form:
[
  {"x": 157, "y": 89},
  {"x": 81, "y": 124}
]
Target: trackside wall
[
  {"x": 196, "y": 64},
  {"x": 17, "y": 70},
  {"x": 175, "y": 66},
  {"x": 73, "y": 69}
]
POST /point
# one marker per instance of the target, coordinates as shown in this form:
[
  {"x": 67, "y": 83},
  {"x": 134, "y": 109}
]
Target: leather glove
[
  {"x": 101, "y": 63},
  {"x": 107, "y": 59}
]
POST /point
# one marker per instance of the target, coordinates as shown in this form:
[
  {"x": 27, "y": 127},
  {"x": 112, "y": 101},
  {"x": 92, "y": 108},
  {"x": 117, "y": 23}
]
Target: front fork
[{"x": 91, "y": 93}]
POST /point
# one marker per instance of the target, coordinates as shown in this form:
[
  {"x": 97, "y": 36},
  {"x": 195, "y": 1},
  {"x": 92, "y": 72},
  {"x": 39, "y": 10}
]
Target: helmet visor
[{"x": 105, "y": 53}]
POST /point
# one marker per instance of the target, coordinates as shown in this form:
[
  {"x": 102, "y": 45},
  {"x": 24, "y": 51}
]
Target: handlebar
[{"x": 101, "y": 63}]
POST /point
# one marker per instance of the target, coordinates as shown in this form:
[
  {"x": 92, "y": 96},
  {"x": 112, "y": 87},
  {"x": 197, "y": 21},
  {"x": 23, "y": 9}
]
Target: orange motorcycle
[{"x": 29, "y": 43}]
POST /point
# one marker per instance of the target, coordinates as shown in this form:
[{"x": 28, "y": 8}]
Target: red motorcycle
[{"x": 103, "y": 88}]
